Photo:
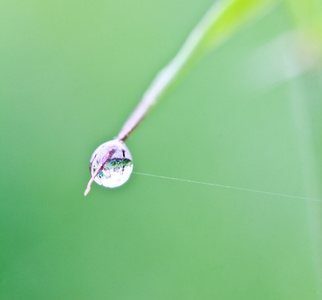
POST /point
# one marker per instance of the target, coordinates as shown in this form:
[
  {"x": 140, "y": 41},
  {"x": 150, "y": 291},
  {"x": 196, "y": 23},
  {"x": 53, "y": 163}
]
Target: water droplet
[{"x": 117, "y": 161}]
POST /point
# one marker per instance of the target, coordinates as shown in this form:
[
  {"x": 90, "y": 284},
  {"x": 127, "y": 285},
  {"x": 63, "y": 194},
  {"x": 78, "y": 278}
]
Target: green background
[{"x": 71, "y": 72}]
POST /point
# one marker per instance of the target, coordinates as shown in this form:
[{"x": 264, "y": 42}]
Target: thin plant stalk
[{"x": 222, "y": 19}]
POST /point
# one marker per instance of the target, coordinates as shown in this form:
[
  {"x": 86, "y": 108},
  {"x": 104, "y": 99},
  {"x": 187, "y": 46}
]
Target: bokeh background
[{"x": 247, "y": 116}]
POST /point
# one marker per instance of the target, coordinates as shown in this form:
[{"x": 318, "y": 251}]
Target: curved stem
[
  {"x": 158, "y": 87},
  {"x": 221, "y": 21},
  {"x": 187, "y": 56}
]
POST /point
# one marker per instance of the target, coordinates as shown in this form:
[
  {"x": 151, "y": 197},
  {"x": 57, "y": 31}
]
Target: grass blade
[{"x": 220, "y": 22}]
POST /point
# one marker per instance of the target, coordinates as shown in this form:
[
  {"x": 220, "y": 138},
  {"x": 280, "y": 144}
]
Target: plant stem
[
  {"x": 163, "y": 80},
  {"x": 222, "y": 19},
  {"x": 220, "y": 22},
  {"x": 159, "y": 86}
]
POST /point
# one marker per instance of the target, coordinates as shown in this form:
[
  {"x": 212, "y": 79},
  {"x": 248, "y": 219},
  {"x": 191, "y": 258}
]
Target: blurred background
[{"x": 248, "y": 115}]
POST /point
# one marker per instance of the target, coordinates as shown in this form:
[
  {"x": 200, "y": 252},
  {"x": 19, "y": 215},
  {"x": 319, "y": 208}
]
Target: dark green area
[
  {"x": 117, "y": 163},
  {"x": 235, "y": 120}
]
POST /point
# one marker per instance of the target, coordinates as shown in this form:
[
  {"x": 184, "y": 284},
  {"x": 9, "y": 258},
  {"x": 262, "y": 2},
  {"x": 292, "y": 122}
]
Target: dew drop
[{"x": 117, "y": 161}]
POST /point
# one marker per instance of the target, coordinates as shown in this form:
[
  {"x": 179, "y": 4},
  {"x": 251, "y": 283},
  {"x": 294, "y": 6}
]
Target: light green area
[{"x": 71, "y": 72}]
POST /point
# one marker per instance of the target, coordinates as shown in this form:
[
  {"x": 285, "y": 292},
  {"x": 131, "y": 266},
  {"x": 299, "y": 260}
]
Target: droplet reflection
[{"x": 117, "y": 169}]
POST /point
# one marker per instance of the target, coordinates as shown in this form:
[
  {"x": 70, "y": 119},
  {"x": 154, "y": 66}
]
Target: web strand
[{"x": 231, "y": 187}]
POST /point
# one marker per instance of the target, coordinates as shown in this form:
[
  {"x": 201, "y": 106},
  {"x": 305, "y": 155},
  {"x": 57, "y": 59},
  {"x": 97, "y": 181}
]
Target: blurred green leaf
[
  {"x": 221, "y": 21},
  {"x": 308, "y": 21}
]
